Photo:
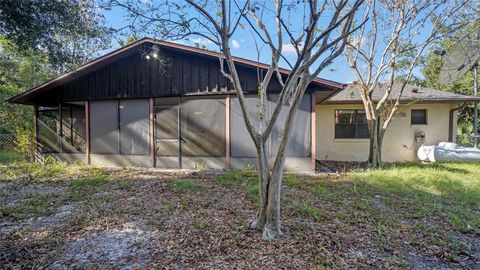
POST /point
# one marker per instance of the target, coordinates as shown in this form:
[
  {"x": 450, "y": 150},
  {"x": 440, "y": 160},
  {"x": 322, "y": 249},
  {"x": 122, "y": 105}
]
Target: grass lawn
[
  {"x": 10, "y": 156},
  {"x": 402, "y": 216}
]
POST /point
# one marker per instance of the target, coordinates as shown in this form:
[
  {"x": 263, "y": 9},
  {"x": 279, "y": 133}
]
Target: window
[
  {"x": 350, "y": 124},
  {"x": 419, "y": 117}
]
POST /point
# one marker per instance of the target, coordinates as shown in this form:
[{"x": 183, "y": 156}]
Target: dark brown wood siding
[{"x": 179, "y": 74}]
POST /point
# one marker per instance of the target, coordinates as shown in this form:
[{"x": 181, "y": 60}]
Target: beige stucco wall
[{"x": 398, "y": 143}]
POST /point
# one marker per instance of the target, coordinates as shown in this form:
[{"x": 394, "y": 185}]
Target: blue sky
[{"x": 242, "y": 45}]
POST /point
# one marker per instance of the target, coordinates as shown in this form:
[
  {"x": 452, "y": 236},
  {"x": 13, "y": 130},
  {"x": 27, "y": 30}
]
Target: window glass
[
  {"x": 351, "y": 124},
  {"x": 203, "y": 126},
  {"x": 419, "y": 117},
  {"x": 48, "y": 124}
]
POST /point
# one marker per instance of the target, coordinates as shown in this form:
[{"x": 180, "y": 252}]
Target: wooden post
[
  {"x": 87, "y": 132},
  {"x": 227, "y": 132},
  {"x": 152, "y": 133},
  {"x": 313, "y": 130},
  {"x": 34, "y": 134}
]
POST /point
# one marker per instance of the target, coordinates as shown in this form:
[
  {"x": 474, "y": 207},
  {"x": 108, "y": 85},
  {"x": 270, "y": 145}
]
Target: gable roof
[
  {"x": 411, "y": 93},
  {"x": 131, "y": 49}
]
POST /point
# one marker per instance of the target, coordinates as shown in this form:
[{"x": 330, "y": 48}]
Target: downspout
[{"x": 450, "y": 120}]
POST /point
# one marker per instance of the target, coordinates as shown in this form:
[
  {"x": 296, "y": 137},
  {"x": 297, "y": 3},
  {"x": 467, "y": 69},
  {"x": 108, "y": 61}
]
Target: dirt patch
[
  {"x": 125, "y": 248},
  {"x": 192, "y": 220}
]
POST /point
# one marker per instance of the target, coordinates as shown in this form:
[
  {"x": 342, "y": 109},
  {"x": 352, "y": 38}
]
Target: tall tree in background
[
  {"x": 38, "y": 40},
  {"x": 388, "y": 49},
  {"x": 433, "y": 64},
  {"x": 318, "y": 36},
  {"x": 69, "y": 32}
]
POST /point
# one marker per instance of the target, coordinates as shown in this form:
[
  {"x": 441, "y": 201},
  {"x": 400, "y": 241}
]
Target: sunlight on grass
[{"x": 431, "y": 189}]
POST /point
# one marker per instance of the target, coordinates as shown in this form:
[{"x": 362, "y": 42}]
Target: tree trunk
[
  {"x": 263, "y": 170},
  {"x": 375, "y": 153}
]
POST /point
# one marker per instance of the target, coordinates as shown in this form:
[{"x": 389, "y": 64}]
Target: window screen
[
  {"x": 299, "y": 144},
  {"x": 166, "y": 130},
  {"x": 350, "y": 124},
  {"x": 104, "y": 127},
  {"x": 73, "y": 129},
  {"x": 203, "y": 126},
  {"x": 48, "y": 124},
  {"x": 78, "y": 128},
  {"x": 241, "y": 142},
  {"x": 134, "y": 126},
  {"x": 419, "y": 117}
]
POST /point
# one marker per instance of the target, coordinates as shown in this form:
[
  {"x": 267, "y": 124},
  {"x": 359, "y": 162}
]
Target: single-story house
[
  {"x": 165, "y": 105},
  {"x": 425, "y": 116},
  {"x": 160, "y": 104}
]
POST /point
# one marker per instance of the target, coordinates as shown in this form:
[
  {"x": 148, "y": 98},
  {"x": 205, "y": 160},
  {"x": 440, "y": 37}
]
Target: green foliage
[
  {"x": 68, "y": 32},
  {"x": 19, "y": 71},
  {"x": 464, "y": 85}
]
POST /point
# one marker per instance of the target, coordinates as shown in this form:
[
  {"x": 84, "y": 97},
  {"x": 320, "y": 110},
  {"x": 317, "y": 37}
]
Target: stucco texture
[{"x": 398, "y": 144}]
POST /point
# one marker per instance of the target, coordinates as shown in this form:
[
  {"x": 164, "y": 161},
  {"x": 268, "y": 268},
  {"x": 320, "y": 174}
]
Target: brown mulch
[{"x": 149, "y": 222}]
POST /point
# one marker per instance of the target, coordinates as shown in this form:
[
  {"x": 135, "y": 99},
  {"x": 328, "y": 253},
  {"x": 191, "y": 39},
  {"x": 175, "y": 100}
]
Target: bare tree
[
  {"x": 317, "y": 42},
  {"x": 388, "y": 48}
]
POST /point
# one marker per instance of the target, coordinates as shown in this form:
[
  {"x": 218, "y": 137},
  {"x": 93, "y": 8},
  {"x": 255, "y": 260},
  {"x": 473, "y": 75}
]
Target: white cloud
[
  {"x": 289, "y": 49},
  {"x": 235, "y": 44},
  {"x": 202, "y": 42}
]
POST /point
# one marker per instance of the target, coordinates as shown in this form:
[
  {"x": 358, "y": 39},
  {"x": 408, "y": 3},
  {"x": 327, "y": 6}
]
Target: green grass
[
  {"x": 82, "y": 189},
  {"x": 10, "y": 157},
  {"x": 427, "y": 190},
  {"x": 186, "y": 184},
  {"x": 47, "y": 172},
  {"x": 248, "y": 180},
  {"x": 36, "y": 205}
]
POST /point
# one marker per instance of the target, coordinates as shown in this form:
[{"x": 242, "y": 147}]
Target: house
[
  {"x": 160, "y": 104},
  {"x": 425, "y": 116}
]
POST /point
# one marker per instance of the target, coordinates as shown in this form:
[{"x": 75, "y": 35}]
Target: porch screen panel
[
  {"x": 134, "y": 127},
  {"x": 67, "y": 129},
  {"x": 48, "y": 123},
  {"x": 104, "y": 133},
  {"x": 78, "y": 129},
  {"x": 299, "y": 145},
  {"x": 203, "y": 127},
  {"x": 240, "y": 141},
  {"x": 73, "y": 128}
]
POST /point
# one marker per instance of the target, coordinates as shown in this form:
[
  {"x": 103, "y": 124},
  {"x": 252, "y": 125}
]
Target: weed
[
  {"x": 308, "y": 210},
  {"x": 201, "y": 225},
  {"x": 124, "y": 185},
  {"x": 187, "y": 184}
]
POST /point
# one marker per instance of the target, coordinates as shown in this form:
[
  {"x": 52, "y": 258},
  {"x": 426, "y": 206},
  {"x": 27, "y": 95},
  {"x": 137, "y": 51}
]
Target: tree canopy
[{"x": 68, "y": 32}]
